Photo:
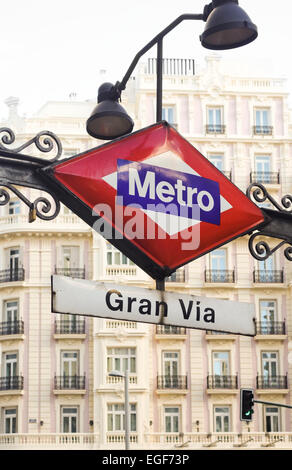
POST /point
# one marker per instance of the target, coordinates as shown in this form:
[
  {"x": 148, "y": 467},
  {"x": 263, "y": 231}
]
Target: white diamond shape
[{"x": 171, "y": 224}]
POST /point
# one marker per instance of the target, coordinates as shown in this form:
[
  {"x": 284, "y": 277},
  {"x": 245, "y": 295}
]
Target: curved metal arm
[
  {"x": 122, "y": 85},
  {"x": 278, "y": 224}
]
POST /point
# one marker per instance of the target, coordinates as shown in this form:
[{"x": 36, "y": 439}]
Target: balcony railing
[
  {"x": 12, "y": 327},
  {"x": 270, "y": 328},
  {"x": 178, "y": 382},
  {"x": 157, "y": 440},
  {"x": 268, "y": 177},
  {"x": 69, "y": 382},
  {"x": 11, "y": 383},
  {"x": 170, "y": 330},
  {"x": 11, "y": 275},
  {"x": 70, "y": 327},
  {"x": 177, "y": 276},
  {"x": 223, "y": 275},
  {"x": 222, "y": 381},
  {"x": 263, "y": 130},
  {"x": 273, "y": 382},
  {"x": 78, "y": 273},
  {"x": 272, "y": 276},
  {"x": 215, "y": 129}
]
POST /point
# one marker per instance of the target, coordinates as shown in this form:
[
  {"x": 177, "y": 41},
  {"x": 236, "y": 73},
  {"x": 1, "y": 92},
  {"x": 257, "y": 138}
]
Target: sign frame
[{"x": 122, "y": 243}]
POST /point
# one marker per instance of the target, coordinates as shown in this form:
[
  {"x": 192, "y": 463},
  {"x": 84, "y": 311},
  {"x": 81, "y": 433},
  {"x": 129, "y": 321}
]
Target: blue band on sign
[{"x": 163, "y": 190}]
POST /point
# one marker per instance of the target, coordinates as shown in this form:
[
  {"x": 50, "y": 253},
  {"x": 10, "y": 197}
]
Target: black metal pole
[
  {"x": 159, "y": 75},
  {"x": 187, "y": 16},
  {"x": 271, "y": 403}
]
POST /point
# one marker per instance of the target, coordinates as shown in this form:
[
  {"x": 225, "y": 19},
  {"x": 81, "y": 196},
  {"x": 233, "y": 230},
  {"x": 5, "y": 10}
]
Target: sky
[{"x": 52, "y": 49}]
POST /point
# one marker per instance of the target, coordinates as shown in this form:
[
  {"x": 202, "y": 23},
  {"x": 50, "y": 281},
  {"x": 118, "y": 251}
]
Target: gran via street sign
[
  {"x": 155, "y": 197},
  {"x": 131, "y": 303}
]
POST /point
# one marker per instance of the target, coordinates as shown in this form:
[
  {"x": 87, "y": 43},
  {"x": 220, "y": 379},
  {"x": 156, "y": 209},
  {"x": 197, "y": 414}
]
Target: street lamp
[
  {"x": 108, "y": 118},
  {"x": 125, "y": 376},
  {"x": 227, "y": 27}
]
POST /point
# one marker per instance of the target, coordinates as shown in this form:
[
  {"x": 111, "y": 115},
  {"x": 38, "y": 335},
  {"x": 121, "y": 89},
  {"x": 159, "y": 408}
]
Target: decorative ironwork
[
  {"x": 68, "y": 327},
  {"x": 69, "y": 382},
  {"x": 222, "y": 381},
  {"x": 12, "y": 275},
  {"x": 18, "y": 169},
  {"x": 270, "y": 328},
  {"x": 78, "y": 273},
  {"x": 219, "y": 275},
  {"x": 40, "y": 207},
  {"x": 261, "y": 195},
  {"x": 268, "y": 276},
  {"x": 45, "y": 141},
  {"x": 272, "y": 381},
  {"x": 13, "y": 382},
  {"x": 179, "y": 382},
  {"x": 277, "y": 224},
  {"x": 12, "y": 327}
]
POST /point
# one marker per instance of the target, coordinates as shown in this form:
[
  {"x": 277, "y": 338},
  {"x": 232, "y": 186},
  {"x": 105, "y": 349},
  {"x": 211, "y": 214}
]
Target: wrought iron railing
[
  {"x": 270, "y": 328},
  {"x": 215, "y": 129},
  {"x": 11, "y": 275},
  {"x": 70, "y": 326},
  {"x": 69, "y": 382},
  {"x": 177, "y": 276},
  {"x": 263, "y": 130},
  {"x": 222, "y": 381},
  {"x": 179, "y": 382},
  {"x": 272, "y": 276},
  {"x": 268, "y": 177},
  {"x": 78, "y": 273},
  {"x": 11, "y": 383},
  {"x": 272, "y": 381},
  {"x": 12, "y": 327},
  {"x": 170, "y": 330},
  {"x": 222, "y": 275}
]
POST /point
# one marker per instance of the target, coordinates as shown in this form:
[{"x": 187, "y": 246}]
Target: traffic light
[{"x": 246, "y": 404}]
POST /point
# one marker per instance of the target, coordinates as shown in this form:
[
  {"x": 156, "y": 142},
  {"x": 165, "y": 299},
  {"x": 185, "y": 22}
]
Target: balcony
[
  {"x": 177, "y": 276},
  {"x": 69, "y": 327},
  {"x": 12, "y": 328},
  {"x": 170, "y": 330},
  {"x": 12, "y": 275},
  {"x": 270, "y": 328},
  {"x": 263, "y": 130},
  {"x": 222, "y": 382},
  {"x": 272, "y": 276},
  {"x": 11, "y": 383},
  {"x": 172, "y": 382},
  {"x": 78, "y": 273},
  {"x": 215, "y": 129},
  {"x": 223, "y": 275},
  {"x": 69, "y": 382},
  {"x": 267, "y": 177},
  {"x": 274, "y": 382}
]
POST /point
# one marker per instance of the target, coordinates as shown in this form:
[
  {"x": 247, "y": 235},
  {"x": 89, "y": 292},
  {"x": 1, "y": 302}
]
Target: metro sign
[{"x": 154, "y": 197}]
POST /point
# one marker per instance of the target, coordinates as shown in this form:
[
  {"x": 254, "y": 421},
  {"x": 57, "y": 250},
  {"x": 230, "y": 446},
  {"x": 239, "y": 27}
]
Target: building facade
[{"x": 56, "y": 390}]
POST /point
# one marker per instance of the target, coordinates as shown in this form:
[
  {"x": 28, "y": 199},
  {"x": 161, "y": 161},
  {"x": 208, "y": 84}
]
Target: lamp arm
[{"x": 186, "y": 16}]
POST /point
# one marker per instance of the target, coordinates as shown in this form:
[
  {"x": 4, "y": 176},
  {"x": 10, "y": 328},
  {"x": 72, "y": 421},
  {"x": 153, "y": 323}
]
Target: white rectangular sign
[{"x": 131, "y": 303}]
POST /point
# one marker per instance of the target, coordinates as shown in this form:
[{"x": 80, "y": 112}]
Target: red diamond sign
[{"x": 155, "y": 197}]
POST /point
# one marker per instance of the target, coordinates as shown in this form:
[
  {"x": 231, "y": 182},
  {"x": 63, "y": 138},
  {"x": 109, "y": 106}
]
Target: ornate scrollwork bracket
[
  {"x": 44, "y": 141},
  {"x": 18, "y": 169},
  {"x": 278, "y": 223}
]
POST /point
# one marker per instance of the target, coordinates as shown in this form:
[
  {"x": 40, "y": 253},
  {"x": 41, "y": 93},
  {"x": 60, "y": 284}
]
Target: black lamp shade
[
  {"x": 227, "y": 27},
  {"x": 108, "y": 121}
]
